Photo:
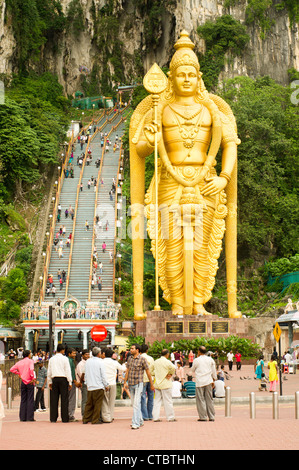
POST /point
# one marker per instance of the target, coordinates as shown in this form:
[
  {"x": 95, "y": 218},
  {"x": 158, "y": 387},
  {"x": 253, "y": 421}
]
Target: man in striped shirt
[{"x": 136, "y": 366}]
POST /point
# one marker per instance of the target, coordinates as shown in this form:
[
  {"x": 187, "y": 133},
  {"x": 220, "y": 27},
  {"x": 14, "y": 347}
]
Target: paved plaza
[{"x": 237, "y": 432}]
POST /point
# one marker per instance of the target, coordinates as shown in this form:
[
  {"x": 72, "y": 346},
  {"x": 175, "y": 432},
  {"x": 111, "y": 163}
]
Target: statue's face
[{"x": 185, "y": 80}]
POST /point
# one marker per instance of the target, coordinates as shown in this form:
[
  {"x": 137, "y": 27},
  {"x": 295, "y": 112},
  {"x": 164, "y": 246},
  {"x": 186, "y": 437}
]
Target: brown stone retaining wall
[{"x": 153, "y": 328}]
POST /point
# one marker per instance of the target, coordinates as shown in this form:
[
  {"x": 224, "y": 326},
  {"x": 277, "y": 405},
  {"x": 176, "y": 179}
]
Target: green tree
[
  {"x": 10, "y": 311},
  {"x": 32, "y": 125},
  {"x": 268, "y": 127},
  {"x": 14, "y": 286},
  {"x": 19, "y": 145}
]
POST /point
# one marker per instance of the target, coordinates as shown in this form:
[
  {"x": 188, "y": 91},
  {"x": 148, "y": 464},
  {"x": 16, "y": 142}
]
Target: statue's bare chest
[{"x": 186, "y": 129}]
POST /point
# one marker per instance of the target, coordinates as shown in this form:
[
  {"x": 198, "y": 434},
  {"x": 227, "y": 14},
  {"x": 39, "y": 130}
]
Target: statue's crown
[
  {"x": 184, "y": 41},
  {"x": 184, "y": 54}
]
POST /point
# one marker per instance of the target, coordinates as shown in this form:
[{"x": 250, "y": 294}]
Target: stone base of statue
[{"x": 159, "y": 325}]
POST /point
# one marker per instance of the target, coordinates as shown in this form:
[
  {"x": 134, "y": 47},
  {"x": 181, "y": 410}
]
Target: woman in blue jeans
[
  {"x": 147, "y": 402},
  {"x": 147, "y": 397}
]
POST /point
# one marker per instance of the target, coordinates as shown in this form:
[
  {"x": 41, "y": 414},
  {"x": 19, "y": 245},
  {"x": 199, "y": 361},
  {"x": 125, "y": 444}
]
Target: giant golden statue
[{"x": 188, "y": 206}]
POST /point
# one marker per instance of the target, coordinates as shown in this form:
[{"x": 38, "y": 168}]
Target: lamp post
[
  {"x": 119, "y": 280},
  {"x": 50, "y": 331}
]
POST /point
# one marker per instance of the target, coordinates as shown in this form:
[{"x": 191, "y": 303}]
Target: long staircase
[
  {"x": 106, "y": 212},
  {"x": 87, "y": 203}
]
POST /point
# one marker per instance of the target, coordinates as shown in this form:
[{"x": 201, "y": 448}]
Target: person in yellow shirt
[
  {"x": 163, "y": 370},
  {"x": 273, "y": 375}
]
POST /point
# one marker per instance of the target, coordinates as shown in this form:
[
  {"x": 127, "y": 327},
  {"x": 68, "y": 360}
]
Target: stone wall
[{"x": 259, "y": 330}]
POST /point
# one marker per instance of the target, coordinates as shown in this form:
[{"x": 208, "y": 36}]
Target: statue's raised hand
[{"x": 150, "y": 131}]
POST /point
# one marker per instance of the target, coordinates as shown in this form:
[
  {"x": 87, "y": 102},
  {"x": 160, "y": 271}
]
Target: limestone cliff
[{"x": 120, "y": 39}]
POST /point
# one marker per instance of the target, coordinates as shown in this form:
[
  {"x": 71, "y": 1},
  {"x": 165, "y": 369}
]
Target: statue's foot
[
  {"x": 198, "y": 309},
  {"x": 139, "y": 316},
  {"x": 177, "y": 309},
  {"x": 235, "y": 314}
]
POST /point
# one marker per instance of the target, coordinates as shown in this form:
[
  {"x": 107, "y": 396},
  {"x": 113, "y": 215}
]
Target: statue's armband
[{"x": 229, "y": 135}]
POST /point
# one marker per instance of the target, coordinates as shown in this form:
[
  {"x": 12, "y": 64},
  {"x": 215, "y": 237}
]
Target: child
[
  {"x": 41, "y": 382},
  {"x": 263, "y": 383},
  {"x": 223, "y": 374},
  {"x": 125, "y": 392}
]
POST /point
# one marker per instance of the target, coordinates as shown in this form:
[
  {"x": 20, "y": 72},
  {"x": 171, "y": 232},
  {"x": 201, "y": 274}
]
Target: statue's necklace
[{"x": 187, "y": 132}]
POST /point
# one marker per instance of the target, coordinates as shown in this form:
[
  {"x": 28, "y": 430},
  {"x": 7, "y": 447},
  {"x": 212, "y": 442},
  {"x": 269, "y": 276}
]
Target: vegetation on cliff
[{"x": 33, "y": 124}]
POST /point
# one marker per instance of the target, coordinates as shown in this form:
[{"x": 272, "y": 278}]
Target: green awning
[{"x": 9, "y": 333}]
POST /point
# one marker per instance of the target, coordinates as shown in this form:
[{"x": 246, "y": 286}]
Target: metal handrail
[
  {"x": 53, "y": 223},
  {"x": 96, "y": 203}
]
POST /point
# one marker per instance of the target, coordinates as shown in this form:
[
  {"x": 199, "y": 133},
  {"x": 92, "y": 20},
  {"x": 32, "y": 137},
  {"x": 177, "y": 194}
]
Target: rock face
[{"x": 141, "y": 35}]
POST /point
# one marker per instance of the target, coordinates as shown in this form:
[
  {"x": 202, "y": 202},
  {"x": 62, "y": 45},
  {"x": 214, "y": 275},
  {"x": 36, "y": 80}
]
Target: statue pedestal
[{"x": 160, "y": 325}]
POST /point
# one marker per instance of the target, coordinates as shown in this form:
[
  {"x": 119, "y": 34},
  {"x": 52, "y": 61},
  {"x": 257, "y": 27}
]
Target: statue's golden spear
[{"x": 155, "y": 82}]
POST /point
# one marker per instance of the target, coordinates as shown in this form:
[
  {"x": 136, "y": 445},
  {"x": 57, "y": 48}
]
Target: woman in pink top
[
  {"x": 25, "y": 369},
  {"x": 190, "y": 358},
  {"x": 180, "y": 373}
]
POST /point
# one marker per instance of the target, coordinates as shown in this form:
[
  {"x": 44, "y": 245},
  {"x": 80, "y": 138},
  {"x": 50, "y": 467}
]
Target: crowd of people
[
  {"x": 272, "y": 367},
  {"x": 149, "y": 383},
  {"x": 61, "y": 279},
  {"x": 67, "y": 370},
  {"x": 101, "y": 228}
]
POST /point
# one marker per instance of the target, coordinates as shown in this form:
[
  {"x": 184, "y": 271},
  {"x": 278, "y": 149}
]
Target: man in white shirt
[
  {"x": 172, "y": 358},
  {"x": 147, "y": 397},
  {"x": 205, "y": 375},
  {"x": 176, "y": 388},
  {"x": 80, "y": 374},
  {"x": 230, "y": 359},
  {"x": 288, "y": 357},
  {"x": 111, "y": 367},
  {"x": 59, "y": 379},
  {"x": 20, "y": 352},
  {"x": 219, "y": 390}
]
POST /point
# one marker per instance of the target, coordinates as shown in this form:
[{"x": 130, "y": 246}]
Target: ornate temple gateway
[{"x": 72, "y": 322}]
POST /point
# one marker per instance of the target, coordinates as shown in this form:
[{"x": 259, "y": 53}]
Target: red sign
[{"x": 98, "y": 333}]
